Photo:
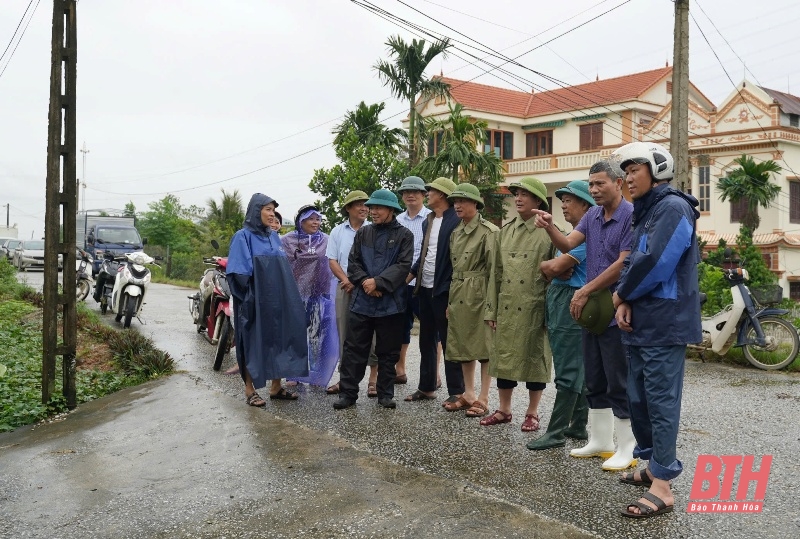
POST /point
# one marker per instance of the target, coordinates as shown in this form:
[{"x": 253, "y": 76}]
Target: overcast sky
[{"x": 177, "y": 94}]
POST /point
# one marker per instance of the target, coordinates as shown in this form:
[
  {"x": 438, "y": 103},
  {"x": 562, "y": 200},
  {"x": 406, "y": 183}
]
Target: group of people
[{"x": 608, "y": 307}]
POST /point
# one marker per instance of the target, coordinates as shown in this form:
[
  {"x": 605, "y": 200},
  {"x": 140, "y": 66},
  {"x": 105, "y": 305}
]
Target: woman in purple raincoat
[{"x": 305, "y": 249}]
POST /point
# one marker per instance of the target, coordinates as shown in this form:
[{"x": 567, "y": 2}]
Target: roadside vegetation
[{"x": 107, "y": 359}]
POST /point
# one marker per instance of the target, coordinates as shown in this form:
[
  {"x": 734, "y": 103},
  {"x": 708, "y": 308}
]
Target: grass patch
[{"x": 107, "y": 359}]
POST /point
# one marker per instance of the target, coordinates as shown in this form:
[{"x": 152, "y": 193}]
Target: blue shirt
[
  {"x": 340, "y": 242},
  {"x": 415, "y": 226},
  {"x": 578, "y": 278}
]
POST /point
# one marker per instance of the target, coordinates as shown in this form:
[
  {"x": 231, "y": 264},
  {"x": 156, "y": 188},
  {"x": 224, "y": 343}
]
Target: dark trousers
[
  {"x": 388, "y": 333},
  {"x": 605, "y": 362},
  {"x": 433, "y": 321}
]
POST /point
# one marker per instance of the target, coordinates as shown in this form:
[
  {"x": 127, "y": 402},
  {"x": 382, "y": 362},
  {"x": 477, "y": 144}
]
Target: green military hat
[
  {"x": 384, "y": 197},
  {"x": 579, "y": 188},
  {"x": 353, "y": 196},
  {"x": 468, "y": 191},
  {"x": 533, "y": 186},
  {"x": 412, "y": 183},
  {"x": 598, "y": 312},
  {"x": 445, "y": 185}
]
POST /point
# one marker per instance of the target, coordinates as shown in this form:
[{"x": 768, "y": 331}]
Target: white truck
[{"x": 107, "y": 231}]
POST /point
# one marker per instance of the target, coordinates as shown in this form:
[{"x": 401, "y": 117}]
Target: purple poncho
[{"x": 309, "y": 263}]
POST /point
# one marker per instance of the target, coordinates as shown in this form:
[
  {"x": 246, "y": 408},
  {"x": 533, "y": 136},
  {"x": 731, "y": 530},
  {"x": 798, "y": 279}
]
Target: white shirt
[{"x": 429, "y": 268}]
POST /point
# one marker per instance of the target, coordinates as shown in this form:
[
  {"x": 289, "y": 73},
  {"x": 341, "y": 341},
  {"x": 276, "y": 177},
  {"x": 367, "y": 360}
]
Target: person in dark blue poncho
[{"x": 269, "y": 316}]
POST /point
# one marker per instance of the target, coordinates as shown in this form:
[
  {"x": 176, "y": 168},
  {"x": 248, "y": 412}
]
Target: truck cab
[{"x": 115, "y": 239}]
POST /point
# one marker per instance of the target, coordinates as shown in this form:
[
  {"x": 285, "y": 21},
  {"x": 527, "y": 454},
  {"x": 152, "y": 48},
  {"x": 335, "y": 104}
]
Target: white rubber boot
[
  {"x": 623, "y": 458},
  {"x": 601, "y": 435}
]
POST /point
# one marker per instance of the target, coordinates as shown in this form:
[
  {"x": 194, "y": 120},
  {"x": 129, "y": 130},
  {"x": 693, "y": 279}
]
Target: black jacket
[{"x": 443, "y": 273}]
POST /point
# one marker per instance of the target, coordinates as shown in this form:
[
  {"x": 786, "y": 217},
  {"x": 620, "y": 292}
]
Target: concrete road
[{"x": 185, "y": 457}]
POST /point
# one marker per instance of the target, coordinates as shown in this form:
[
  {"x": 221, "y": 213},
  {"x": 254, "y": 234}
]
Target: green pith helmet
[
  {"x": 445, "y": 185},
  {"x": 533, "y": 186},
  {"x": 468, "y": 191},
  {"x": 353, "y": 196},
  {"x": 598, "y": 312},
  {"x": 384, "y": 197},
  {"x": 412, "y": 183},
  {"x": 578, "y": 188}
]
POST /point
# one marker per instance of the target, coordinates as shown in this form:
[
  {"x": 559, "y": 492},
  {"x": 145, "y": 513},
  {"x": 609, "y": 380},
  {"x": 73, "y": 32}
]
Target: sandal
[
  {"x": 460, "y": 404},
  {"x": 449, "y": 400},
  {"x": 645, "y": 511},
  {"x": 401, "y": 379},
  {"x": 531, "y": 423},
  {"x": 372, "y": 390},
  {"x": 254, "y": 399},
  {"x": 478, "y": 409},
  {"x": 333, "y": 390},
  {"x": 630, "y": 478},
  {"x": 418, "y": 396},
  {"x": 494, "y": 420},
  {"x": 283, "y": 395}
]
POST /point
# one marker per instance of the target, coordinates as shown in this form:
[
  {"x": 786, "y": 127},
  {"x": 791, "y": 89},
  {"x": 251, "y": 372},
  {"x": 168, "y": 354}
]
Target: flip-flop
[
  {"x": 418, "y": 396},
  {"x": 645, "y": 511},
  {"x": 283, "y": 395},
  {"x": 372, "y": 390}
]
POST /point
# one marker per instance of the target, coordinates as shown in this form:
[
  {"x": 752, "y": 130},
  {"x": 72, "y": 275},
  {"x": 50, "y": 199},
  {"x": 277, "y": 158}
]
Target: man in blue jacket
[
  {"x": 379, "y": 262},
  {"x": 434, "y": 271},
  {"x": 658, "y": 311}
]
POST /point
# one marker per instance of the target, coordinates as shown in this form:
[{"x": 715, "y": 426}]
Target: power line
[
  {"x": 8, "y": 61},
  {"x": 10, "y": 41}
]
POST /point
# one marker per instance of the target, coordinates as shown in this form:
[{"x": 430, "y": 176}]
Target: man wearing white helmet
[{"x": 658, "y": 311}]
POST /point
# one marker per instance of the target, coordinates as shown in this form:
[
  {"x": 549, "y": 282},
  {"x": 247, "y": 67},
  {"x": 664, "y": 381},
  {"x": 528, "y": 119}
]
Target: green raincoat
[
  {"x": 516, "y": 301},
  {"x": 471, "y": 248}
]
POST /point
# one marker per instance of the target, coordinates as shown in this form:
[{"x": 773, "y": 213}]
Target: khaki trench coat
[
  {"x": 471, "y": 247},
  {"x": 516, "y": 301}
]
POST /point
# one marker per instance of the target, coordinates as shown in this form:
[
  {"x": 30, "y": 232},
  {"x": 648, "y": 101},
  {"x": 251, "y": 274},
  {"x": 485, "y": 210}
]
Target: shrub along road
[{"x": 184, "y": 456}]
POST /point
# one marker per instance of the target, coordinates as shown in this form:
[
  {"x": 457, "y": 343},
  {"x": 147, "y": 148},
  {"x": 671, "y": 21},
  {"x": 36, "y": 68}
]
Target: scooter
[
  {"x": 768, "y": 341},
  {"x": 106, "y": 278},
  {"x": 84, "y": 279},
  {"x": 130, "y": 286},
  {"x": 211, "y": 307}
]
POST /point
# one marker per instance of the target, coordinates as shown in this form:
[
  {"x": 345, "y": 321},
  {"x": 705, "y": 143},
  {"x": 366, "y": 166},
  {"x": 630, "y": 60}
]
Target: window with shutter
[
  {"x": 794, "y": 202},
  {"x": 794, "y": 291},
  {"x": 738, "y": 210},
  {"x": 704, "y": 188},
  {"x": 591, "y": 136},
  {"x": 500, "y": 142},
  {"x": 538, "y": 144}
]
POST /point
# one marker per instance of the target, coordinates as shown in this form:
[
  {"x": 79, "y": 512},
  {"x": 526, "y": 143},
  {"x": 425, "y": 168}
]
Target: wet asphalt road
[{"x": 435, "y": 474}]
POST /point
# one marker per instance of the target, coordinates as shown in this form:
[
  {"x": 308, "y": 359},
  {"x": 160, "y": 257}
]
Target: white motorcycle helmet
[{"x": 662, "y": 166}]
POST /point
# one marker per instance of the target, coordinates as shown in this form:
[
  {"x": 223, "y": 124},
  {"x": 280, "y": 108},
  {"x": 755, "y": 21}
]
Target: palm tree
[
  {"x": 405, "y": 76},
  {"x": 365, "y": 120},
  {"x": 228, "y": 213},
  {"x": 750, "y": 182}
]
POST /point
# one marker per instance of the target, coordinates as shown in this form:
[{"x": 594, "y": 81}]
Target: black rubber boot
[
  {"x": 580, "y": 416},
  {"x": 559, "y": 421}
]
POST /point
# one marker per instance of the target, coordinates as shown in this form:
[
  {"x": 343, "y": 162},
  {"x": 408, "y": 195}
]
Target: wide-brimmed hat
[
  {"x": 412, "y": 183},
  {"x": 578, "y": 188},
  {"x": 468, "y": 191},
  {"x": 353, "y": 196},
  {"x": 384, "y": 197},
  {"x": 445, "y": 185},
  {"x": 533, "y": 186},
  {"x": 598, "y": 312}
]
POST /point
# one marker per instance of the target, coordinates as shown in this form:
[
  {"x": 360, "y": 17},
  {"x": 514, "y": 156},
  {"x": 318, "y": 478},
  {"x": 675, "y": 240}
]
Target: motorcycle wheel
[
  {"x": 782, "y": 349},
  {"x": 130, "y": 309},
  {"x": 103, "y": 305},
  {"x": 120, "y": 308},
  {"x": 224, "y": 342},
  {"x": 83, "y": 289}
]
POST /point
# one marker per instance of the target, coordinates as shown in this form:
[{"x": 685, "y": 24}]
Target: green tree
[
  {"x": 750, "y": 182},
  {"x": 361, "y": 166},
  {"x": 168, "y": 223},
  {"x": 366, "y": 122},
  {"x": 460, "y": 156},
  {"x": 130, "y": 210},
  {"x": 405, "y": 77},
  {"x": 226, "y": 216}
]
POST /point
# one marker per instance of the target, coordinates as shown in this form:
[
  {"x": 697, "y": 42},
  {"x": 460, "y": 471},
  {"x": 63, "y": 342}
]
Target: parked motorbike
[
  {"x": 130, "y": 286},
  {"x": 768, "y": 341},
  {"x": 84, "y": 279},
  {"x": 106, "y": 278},
  {"x": 211, "y": 307}
]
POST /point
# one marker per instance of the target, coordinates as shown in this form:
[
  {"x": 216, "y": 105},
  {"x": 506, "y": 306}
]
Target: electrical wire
[
  {"x": 8, "y": 61},
  {"x": 10, "y": 41}
]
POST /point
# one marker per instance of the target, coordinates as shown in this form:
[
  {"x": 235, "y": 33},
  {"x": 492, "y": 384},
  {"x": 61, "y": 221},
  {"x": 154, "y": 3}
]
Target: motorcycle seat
[{"x": 703, "y": 297}]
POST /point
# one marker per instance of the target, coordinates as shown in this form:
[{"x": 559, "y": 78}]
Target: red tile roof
[{"x": 482, "y": 97}]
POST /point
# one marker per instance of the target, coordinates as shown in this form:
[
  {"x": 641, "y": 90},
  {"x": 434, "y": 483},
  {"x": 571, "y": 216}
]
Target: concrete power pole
[
  {"x": 61, "y": 201},
  {"x": 679, "y": 128}
]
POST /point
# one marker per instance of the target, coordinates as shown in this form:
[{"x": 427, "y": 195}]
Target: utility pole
[
  {"x": 679, "y": 127},
  {"x": 61, "y": 200},
  {"x": 84, "y": 151}
]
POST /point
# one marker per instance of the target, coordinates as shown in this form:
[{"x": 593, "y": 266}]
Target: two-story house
[{"x": 557, "y": 135}]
